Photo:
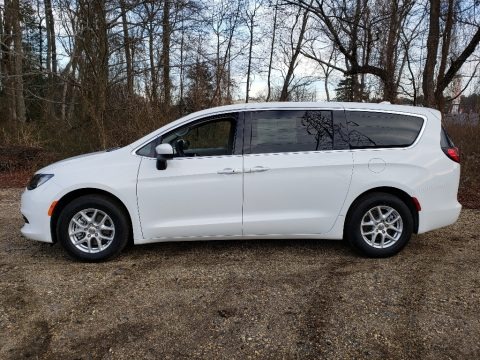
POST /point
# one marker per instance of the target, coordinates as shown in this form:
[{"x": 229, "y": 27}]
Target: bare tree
[
  {"x": 93, "y": 63},
  {"x": 13, "y": 61},
  {"x": 250, "y": 13},
  {"x": 327, "y": 71},
  {"x": 272, "y": 51},
  {"x": 355, "y": 32},
  {"x": 3, "y": 50},
  {"x": 434, "y": 90},
  {"x": 51, "y": 38},
  {"x": 127, "y": 48},
  {"x": 292, "y": 50},
  {"x": 149, "y": 21},
  {"x": 166, "y": 34},
  {"x": 225, "y": 21},
  {"x": 330, "y": 57}
]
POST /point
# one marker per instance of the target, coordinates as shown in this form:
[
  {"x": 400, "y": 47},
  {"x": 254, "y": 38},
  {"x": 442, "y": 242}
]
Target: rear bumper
[{"x": 437, "y": 218}]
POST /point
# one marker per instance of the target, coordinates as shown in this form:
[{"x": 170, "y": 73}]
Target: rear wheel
[
  {"x": 379, "y": 225},
  {"x": 93, "y": 228}
]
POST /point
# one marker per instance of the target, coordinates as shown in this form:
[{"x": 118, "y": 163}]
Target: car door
[
  {"x": 199, "y": 194},
  {"x": 297, "y": 171}
]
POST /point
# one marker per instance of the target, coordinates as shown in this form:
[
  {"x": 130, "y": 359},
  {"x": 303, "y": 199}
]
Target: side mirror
[{"x": 164, "y": 153}]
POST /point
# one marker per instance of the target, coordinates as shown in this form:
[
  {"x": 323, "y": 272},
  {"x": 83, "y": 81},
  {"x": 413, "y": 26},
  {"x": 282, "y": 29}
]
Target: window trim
[
  {"x": 237, "y": 118},
  {"x": 415, "y": 142}
]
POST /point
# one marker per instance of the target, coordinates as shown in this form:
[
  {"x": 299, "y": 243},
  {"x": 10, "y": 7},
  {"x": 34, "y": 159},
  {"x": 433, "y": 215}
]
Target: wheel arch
[
  {"x": 74, "y": 194},
  {"x": 401, "y": 194}
]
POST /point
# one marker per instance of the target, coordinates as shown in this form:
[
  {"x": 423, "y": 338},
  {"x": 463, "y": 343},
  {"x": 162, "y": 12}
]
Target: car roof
[{"x": 385, "y": 106}]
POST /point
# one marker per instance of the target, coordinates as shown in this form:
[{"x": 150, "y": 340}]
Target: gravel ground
[{"x": 241, "y": 299}]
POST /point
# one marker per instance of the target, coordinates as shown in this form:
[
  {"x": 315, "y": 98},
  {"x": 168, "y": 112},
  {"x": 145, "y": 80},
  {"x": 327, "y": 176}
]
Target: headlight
[{"x": 37, "y": 180}]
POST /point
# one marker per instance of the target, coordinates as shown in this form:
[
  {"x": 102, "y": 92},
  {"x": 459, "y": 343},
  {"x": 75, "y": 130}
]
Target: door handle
[
  {"x": 228, "y": 171},
  {"x": 257, "y": 169}
]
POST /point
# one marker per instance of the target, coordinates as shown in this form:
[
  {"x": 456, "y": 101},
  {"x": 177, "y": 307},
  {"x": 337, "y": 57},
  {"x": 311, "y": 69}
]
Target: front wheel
[
  {"x": 93, "y": 228},
  {"x": 379, "y": 225}
]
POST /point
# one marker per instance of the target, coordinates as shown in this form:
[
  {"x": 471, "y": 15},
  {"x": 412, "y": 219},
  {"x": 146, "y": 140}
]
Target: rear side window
[
  {"x": 275, "y": 131},
  {"x": 382, "y": 130}
]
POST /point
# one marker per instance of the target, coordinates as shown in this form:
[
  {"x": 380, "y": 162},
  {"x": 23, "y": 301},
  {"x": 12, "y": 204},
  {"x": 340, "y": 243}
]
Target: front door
[
  {"x": 295, "y": 183},
  {"x": 199, "y": 194}
]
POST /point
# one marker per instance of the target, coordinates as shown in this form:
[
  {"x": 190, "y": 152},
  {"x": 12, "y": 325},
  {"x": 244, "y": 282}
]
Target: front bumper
[{"x": 34, "y": 207}]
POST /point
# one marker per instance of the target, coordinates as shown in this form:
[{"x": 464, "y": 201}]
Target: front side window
[
  {"x": 214, "y": 136},
  {"x": 148, "y": 149},
  {"x": 382, "y": 130},
  {"x": 275, "y": 131},
  {"x": 209, "y": 138}
]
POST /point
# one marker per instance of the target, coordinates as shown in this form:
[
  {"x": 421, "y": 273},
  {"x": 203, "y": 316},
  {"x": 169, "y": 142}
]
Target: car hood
[{"x": 77, "y": 160}]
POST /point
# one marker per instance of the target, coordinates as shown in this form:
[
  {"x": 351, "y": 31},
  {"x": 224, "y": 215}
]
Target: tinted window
[
  {"x": 149, "y": 149},
  {"x": 291, "y": 130},
  {"x": 380, "y": 130},
  {"x": 445, "y": 140},
  {"x": 211, "y": 138}
]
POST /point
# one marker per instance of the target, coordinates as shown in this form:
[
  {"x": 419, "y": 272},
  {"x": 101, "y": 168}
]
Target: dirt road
[{"x": 241, "y": 299}]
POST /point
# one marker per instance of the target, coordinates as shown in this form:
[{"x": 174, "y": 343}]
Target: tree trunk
[
  {"x": 292, "y": 63},
  {"x": 51, "y": 45},
  {"x": 229, "y": 78},
  {"x": 68, "y": 80},
  {"x": 8, "y": 61},
  {"x": 412, "y": 75},
  {"x": 327, "y": 93},
  {"x": 93, "y": 68},
  {"x": 40, "y": 37},
  {"x": 2, "y": 72},
  {"x": 389, "y": 89},
  {"x": 167, "y": 85},
  {"x": 101, "y": 102},
  {"x": 18, "y": 62},
  {"x": 272, "y": 48},
  {"x": 390, "y": 61},
  {"x": 218, "y": 76},
  {"x": 446, "y": 39},
  {"x": 153, "y": 72},
  {"x": 432, "y": 49},
  {"x": 250, "y": 47},
  {"x": 221, "y": 62},
  {"x": 458, "y": 62},
  {"x": 181, "y": 102},
  {"x": 126, "y": 47}
]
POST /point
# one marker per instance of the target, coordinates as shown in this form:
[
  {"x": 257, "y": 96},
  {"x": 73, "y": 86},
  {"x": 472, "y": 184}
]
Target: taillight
[{"x": 452, "y": 153}]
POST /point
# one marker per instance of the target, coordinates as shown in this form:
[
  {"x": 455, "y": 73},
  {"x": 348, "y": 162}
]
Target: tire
[
  {"x": 372, "y": 219},
  {"x": 98, "y": 226}
]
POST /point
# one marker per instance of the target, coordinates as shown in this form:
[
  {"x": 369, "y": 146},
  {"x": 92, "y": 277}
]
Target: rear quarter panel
[{"x": 421, "y": 170}]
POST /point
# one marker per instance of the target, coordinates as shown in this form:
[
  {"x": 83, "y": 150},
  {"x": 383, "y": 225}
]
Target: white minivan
[{"x": 369, "y": 173}]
